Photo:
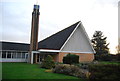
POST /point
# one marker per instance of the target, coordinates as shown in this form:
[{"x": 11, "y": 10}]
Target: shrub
[
  {"x": 48, "y": 63},
  {"x": 105, "y": 57},
  {"x": 82, "y": 65},
  {"x": 106, "y": 72},
  {"x": 71, "y": 59},
  {"x": 70, "y": 70},
  {"x": 118, "y": 57}
]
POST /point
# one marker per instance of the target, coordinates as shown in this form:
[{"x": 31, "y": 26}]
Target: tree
[
  {"x": 48, "y": 63},
  {"x": 99, "y": 43}
]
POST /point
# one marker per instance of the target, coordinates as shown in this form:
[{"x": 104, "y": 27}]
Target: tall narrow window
[
  {"x": 0, "y": 54},
  {"x": 14, "y": 55},
  {"x": 3, "y": 54},
  {"x": 18, "y": 54},
  {"x": 27, "y": 56},
  {"x": 23, "y": 55},
  {"x": 9, "y": 54}
]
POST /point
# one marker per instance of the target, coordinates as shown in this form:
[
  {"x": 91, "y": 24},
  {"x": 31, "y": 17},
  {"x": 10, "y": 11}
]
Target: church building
[{"x": 71, "y": 40}]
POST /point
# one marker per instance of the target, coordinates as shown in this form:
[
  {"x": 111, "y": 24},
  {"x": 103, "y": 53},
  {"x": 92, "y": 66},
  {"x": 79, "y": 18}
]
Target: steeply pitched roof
[
  {"x": 14, "y": 46},
  {"x": 56, "y": 41}
]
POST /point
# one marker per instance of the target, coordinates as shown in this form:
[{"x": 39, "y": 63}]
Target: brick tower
[{"x": 34, "y": 32}]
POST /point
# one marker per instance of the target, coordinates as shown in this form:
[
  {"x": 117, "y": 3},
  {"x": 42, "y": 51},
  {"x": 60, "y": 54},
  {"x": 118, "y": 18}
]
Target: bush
[
  {"x": 106, "y": 72},
  {"x": 71, "y": 59},
  {"x": 105, "y": 57},
  {"x": 70, "y": 70},
  {"x": 82, "y": 65},
  {"x": 48, "y": 63},
  {"x": 118, "y": 57}
]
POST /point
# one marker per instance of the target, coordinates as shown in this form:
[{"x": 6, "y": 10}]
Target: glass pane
[
  {"x": 23, "y": 55},
  {"x": 26, "y": 56},
  {"x": 13, "y": 55},
  {"x": 3, "y": 54},
  {"x": 8, "y": 54},
  {"x": 0, "y": 54},
  {"x": 18, "y": 54}
]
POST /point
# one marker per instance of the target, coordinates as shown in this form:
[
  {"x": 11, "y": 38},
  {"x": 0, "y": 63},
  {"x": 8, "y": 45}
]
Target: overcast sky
[{"x": 55, "y": 15}]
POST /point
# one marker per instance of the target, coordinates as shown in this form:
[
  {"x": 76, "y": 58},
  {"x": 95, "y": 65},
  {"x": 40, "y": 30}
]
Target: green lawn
[{"x": 29, "y": 71}]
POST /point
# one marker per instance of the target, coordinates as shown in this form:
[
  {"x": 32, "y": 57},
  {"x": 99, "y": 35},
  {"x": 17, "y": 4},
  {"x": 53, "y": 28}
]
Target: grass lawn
[{"x": 29, "y": 71}]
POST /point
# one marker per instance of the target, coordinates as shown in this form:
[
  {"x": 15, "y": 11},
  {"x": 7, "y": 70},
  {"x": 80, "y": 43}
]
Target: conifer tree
[{"x": 99, "y": 43}]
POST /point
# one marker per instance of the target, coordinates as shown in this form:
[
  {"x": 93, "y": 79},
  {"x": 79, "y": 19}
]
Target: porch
[{"x": 38, "y": 56}]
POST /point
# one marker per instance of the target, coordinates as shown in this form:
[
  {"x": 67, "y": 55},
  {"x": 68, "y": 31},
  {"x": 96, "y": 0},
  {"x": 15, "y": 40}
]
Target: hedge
[
  {"x": 106, "y": 72},
  {"x": 71, "y": 59}
]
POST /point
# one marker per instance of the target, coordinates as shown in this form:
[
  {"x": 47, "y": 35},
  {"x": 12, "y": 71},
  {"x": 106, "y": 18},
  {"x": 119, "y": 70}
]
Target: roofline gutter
[{"x": 44, "y": 50}]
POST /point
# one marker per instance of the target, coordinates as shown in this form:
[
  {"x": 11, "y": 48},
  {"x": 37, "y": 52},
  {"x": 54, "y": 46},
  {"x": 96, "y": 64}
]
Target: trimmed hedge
[
  {"x": 71, "y": 59},
  {"x": 106, "y": 72}
]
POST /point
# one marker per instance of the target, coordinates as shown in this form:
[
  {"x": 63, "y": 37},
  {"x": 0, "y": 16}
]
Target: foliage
[
  {"x": 106, "y": 72},
  {"x": 71, "y": 59},
  {"x": 48, "y": 63},
  {"x": 99, "y": 43},
  {"x": 107, "y": 57},
  {"x": 85, "y": 65},
  {"x": 71, "y": 70},
  {"x": 118, "y": 57},
  {"x": 82, "y": 65},
  {"x": 104, "y": 57}
]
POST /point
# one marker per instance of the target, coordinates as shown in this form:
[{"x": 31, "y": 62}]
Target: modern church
[{"x": 71, "y": 40}]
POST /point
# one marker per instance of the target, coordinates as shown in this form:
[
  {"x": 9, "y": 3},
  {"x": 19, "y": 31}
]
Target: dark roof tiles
[
  {"x": 57, "y": 40},
  {"x": 14, "y": 46}
]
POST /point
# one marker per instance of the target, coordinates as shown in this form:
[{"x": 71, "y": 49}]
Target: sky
[{"x": 55, "y": 15}]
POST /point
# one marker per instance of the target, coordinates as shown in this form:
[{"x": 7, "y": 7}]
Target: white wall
[
  {"x": 78, "y": 42},
  {"x": 13, "y": 60}
]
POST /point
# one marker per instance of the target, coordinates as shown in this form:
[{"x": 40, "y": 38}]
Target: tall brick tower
[{"x": 34, "y": 32}]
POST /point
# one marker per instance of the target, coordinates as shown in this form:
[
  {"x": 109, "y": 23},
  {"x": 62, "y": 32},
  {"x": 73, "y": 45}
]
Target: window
[
  {"x": 13, "y": 54},
  {"x": 8, "y": 54},
  {"x": 0, "y": 54},
  {"x": 23, "y": 55},
  {"x": 27, "y": 56},
  {"x": 3, "y": 54},
  {"x": 18, "y": 54}
]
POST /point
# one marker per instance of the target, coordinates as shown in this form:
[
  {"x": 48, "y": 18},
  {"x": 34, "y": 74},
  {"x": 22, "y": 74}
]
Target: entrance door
[
  {"x": 41, "y": 58},
  {"x": 38, "y": 58}
]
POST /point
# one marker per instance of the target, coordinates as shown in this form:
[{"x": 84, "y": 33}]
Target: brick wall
[{"x": 83, "y": 57}]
